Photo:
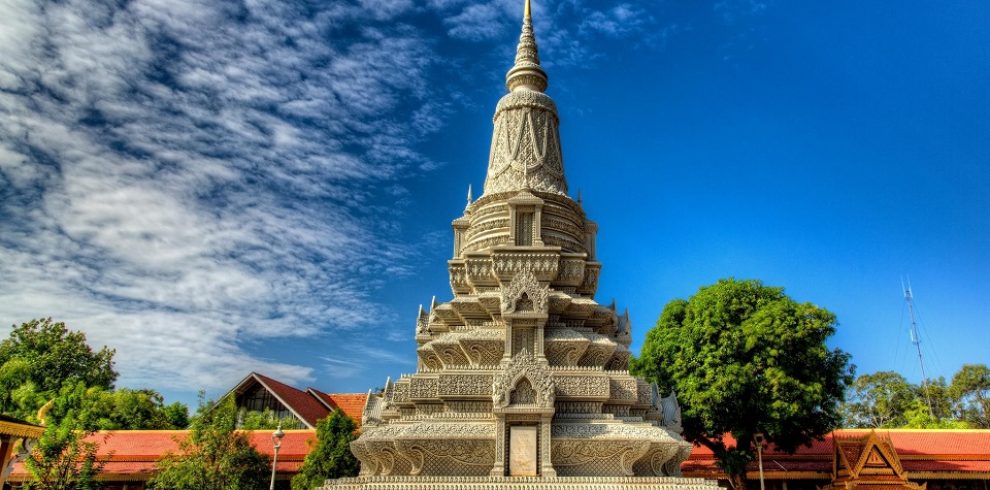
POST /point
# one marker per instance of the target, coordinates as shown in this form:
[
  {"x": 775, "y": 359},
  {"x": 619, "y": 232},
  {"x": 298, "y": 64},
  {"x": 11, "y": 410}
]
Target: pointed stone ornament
[{"x": 422, "y": 322}]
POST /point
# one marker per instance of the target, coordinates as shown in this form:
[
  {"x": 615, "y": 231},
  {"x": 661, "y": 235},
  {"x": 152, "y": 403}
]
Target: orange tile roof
[
  {"x": 132, "y": 454},
  {"x": 941, "y": 451},
  {"x": 352, "y": 404}
]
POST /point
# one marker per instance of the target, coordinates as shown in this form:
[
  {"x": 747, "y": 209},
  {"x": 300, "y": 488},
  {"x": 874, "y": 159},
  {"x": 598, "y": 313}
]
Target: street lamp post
[
  {"x": 760, "y": 440},
  {"x": 277, "y": 442}
]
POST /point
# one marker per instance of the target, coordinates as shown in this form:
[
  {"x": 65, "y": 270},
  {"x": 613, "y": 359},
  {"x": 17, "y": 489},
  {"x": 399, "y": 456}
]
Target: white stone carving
[
  {"x": 523, "y": 366},
  {"x": 524, "y": 283}
]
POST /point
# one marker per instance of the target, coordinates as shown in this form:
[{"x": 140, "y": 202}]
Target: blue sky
[{"x": 218, "y": 187}]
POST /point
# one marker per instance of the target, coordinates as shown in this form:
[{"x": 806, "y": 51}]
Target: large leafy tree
[
  {"x": 332, "y": 457},
  {"x": 39, "y": 357},
  {"x": 42, "y": 361},
  {"x": 215, "y": 456},
  {"x": 971, "y": 389},
  {"x": 744, "y": 359}
]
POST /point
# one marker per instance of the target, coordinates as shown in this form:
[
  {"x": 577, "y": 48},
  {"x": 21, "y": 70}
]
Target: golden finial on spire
[{"x": 526, "y": 73}]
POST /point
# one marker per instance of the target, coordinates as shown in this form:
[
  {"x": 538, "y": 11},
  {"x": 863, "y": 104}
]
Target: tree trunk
[{"x": 738, "y": 481}]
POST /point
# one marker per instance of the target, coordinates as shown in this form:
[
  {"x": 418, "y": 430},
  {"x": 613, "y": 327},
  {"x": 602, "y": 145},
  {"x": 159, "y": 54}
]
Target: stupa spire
[
  {"x": 525, "y": 152},
  {"x": 527, "y": 73}
]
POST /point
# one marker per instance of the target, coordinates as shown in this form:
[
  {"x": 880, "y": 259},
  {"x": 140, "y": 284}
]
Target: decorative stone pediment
[
  {"x": 525, "y": 293},
  {"x": 522, "y": 374}
]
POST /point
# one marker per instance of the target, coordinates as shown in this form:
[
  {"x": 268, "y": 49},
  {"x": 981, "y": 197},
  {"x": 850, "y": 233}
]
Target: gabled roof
[
  {"x": 867, "y": 460},
  {"x": 855, "y": 452},
  {"x": 303, "y": 405}
]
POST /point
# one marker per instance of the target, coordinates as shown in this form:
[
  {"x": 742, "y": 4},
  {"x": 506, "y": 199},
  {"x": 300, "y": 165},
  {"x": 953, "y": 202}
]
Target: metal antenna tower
[{"x": 916, "y": 340}]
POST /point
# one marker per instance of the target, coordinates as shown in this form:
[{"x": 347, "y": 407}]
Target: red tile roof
[
  {"x": 924, "y": 454},
  {"x": 131, "y": 455},
  {"x": 303, "y": 404},
  {"x": 920, "y": 451}
]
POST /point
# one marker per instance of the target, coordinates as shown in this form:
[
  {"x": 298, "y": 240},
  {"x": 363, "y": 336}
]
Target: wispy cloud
[
  {"x": 358, "y": 358},
  {"x": 179, "y": 178},
  {"x": 566, "y": 31},
  {"x": 620, "y": 20},
  {"x": 182, "y": 178}
]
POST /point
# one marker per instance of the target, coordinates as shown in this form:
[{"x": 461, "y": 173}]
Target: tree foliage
[
  {"x": 879, "y": 400},
  {"x": 332, "y": 457},
  {"x": 885, "y": 399},
  {"x": 42, "y": 361},
  {"x": 266, "y": 419},
  {"x": 50, "y": 375},
  {"x": 64, "y": 458},
  {"x": 745, "y": 358},
  {"x": 131, "y": 410},
  {"x": 215, "y": 456},
  {"x": 39, "y": 357},
  {"x": 971, "y": 390}
]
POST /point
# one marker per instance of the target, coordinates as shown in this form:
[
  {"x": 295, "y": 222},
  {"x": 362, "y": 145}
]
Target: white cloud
[
  {"x": 181, "y": 178},
  {"x": 177, "y": 183},
  {"x": 621, "y": 20}
]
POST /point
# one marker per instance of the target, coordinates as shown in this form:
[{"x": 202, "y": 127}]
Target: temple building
[
  {"x": 259, "y": 393},
  {"x": 522, "y": 377}
]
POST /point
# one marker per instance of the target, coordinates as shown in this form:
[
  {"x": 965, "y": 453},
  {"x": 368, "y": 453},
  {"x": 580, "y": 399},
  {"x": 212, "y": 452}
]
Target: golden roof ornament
[{"x": 527, "y": 72}]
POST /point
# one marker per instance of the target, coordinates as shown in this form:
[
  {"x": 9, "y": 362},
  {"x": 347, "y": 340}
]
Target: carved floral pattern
[
  {"x": 523, "y": 365},
  {"x": 524, "y": 282}
]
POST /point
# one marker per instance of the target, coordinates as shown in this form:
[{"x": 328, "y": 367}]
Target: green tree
[
  {"x": 936, "y": 395},
  {"x": 743, "y": 359},
  {"x": 65, "y": 456},
  {"x": 39, "y": 357},
  {"x": 879, "y": 400},
  {"x": 130, "y": 409},
  {"x": 266, "y": 419},
  {"x": 971, "y": 389},
  {"x": 215, "y": 456},
  {"x": 332, "y": 457},
  {"x": 919, "y": 416}
]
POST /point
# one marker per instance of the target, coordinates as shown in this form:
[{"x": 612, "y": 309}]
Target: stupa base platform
[{"x": 519, "y": 483}]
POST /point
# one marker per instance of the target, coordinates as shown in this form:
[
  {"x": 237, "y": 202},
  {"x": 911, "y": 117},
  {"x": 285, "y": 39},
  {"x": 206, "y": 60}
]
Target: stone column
[
  {"x": 546, "y": 465},
  {"x": 499, "y": 468}
]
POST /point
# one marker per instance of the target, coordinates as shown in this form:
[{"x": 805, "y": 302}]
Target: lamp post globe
[{"x": 277, "y": 443}]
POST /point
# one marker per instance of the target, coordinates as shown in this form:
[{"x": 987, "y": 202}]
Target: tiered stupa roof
[{"x": 522, "y": 377}]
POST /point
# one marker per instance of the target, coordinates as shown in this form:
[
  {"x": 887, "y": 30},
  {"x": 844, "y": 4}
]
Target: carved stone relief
[{"x": 524, "y": 282}]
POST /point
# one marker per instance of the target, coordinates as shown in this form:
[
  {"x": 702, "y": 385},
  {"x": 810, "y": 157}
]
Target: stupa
[{"x": 522, "y": 378}]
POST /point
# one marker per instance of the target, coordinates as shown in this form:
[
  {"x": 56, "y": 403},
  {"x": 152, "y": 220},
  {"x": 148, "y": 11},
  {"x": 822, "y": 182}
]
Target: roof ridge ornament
[{"x": 526, "y": 73}]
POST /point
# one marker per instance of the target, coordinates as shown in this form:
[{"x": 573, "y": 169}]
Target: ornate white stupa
[{"x": 522, "y": 378}]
